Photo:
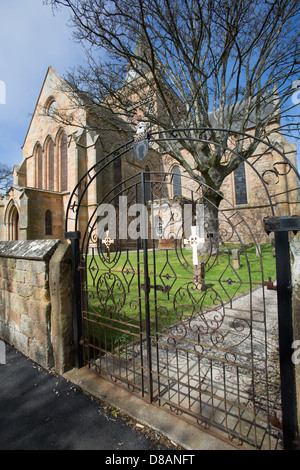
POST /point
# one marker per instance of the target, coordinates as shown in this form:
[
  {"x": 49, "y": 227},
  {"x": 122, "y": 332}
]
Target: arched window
[
  {"x": 50, "y": 164},
  {"x": 177, "y": 189},
  {"x": 50, "y": 106},
  {"x": 15, "y": 222},
  {"x": 39, "y": 166},
  {"x": 63, "y": 151},
  {"x": 12, "y": 221},
  {"x": 48, "y": 223},
  {"x": 240, "y": 184}
]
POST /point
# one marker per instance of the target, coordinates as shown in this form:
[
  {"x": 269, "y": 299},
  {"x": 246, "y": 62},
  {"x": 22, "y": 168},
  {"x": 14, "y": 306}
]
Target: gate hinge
[
  {"x": 282, "y": 224},
  {"x": 164, "y": 289},
  {"x": 73, "y": 235}
]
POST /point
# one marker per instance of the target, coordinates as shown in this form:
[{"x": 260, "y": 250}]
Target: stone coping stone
[{"x": 28, "y": 249}]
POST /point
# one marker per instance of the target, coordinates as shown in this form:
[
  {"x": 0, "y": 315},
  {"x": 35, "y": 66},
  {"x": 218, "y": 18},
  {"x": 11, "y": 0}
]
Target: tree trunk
[{"x": 211, "y": 222}]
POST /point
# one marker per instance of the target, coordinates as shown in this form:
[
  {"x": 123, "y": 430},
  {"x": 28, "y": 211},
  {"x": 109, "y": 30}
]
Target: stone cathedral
[{"x": 57, "y": 154}]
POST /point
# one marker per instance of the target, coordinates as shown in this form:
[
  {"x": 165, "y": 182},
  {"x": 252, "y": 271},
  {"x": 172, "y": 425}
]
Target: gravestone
[
  {"x": 236, "y": 259},
  {"x": 258, "y": 250}
]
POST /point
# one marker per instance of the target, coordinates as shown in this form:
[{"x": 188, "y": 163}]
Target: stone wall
[{"x": 36, "y": 301}]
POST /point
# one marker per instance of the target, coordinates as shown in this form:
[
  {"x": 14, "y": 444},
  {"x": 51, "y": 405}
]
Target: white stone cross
[
  {"x": 107, "y": 242},
  {"x": 194, "y": 241}
]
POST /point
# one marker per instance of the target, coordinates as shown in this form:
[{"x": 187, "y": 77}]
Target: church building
[{"x": 58, "y": 152}]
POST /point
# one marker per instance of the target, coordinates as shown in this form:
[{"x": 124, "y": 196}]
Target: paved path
[
  {"x": 42, "y": 411},
  {"x": 237, "y": 368}
]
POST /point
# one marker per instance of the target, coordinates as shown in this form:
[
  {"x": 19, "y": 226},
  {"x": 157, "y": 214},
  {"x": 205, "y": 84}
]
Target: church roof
[
  {"x": 267, "y": 106},
  {"x": 49, "y": 71}
]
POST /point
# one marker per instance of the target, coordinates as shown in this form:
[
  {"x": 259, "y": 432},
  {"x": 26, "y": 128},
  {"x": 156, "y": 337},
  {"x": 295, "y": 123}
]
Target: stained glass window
[
  {"x": 240, "y": 185},
  {"x": 177, "y": 190}
]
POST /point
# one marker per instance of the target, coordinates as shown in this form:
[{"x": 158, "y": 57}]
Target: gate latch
[
  {"x": 164, "y": 289},
  {"x": 269, "y": 284}
]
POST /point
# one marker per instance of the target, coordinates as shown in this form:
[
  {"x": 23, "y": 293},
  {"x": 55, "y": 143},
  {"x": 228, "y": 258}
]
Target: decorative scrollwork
[
  {"x": 111, "y": 292},
  {"x": 230, "y": 358},
  {"x": 91, "y": 295},
  {"x": 196, "y": 300},
  {"x": 275, "y": 171},
  {"x": 134, "y": 310},
  {"x": 225, "y": 232},
  {"x": 176, "y": 410},
  {"x": 93, "y": 237},
  {"x": 203, "y": 423}
]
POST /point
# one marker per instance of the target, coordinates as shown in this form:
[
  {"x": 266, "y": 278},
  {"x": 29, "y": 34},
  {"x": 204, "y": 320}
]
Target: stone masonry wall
[{"x": 31, "y": 307}]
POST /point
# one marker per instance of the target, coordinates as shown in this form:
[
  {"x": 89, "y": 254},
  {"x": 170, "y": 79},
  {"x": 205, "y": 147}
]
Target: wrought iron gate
[{"x": 178, "y": 311}]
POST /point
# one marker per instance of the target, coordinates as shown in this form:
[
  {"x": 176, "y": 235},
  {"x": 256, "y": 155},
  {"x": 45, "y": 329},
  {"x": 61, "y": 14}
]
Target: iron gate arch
[{"x": 173, "y": 332}]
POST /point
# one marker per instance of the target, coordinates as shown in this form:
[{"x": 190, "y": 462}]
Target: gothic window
[
  {"x": 50, "y": 164},
  {"x": 240, "y": 184},
  {"x": 50, "y": 106},
  {"x": 13, "y": 224},
  {"x": 39, "y": 166},
  {"x": 64, "y": 163},
  {"x": 48, "y": 222},
  {"x": 177, "y": 189}
]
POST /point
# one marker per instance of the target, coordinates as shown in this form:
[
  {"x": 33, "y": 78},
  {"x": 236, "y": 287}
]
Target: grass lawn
[{"x": 115, "y": 301}]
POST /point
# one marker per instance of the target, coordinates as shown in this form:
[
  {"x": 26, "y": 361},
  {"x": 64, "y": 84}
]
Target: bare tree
[
  {"x": 6, "y": 178},
  {"x": 214, "y": 64}
]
